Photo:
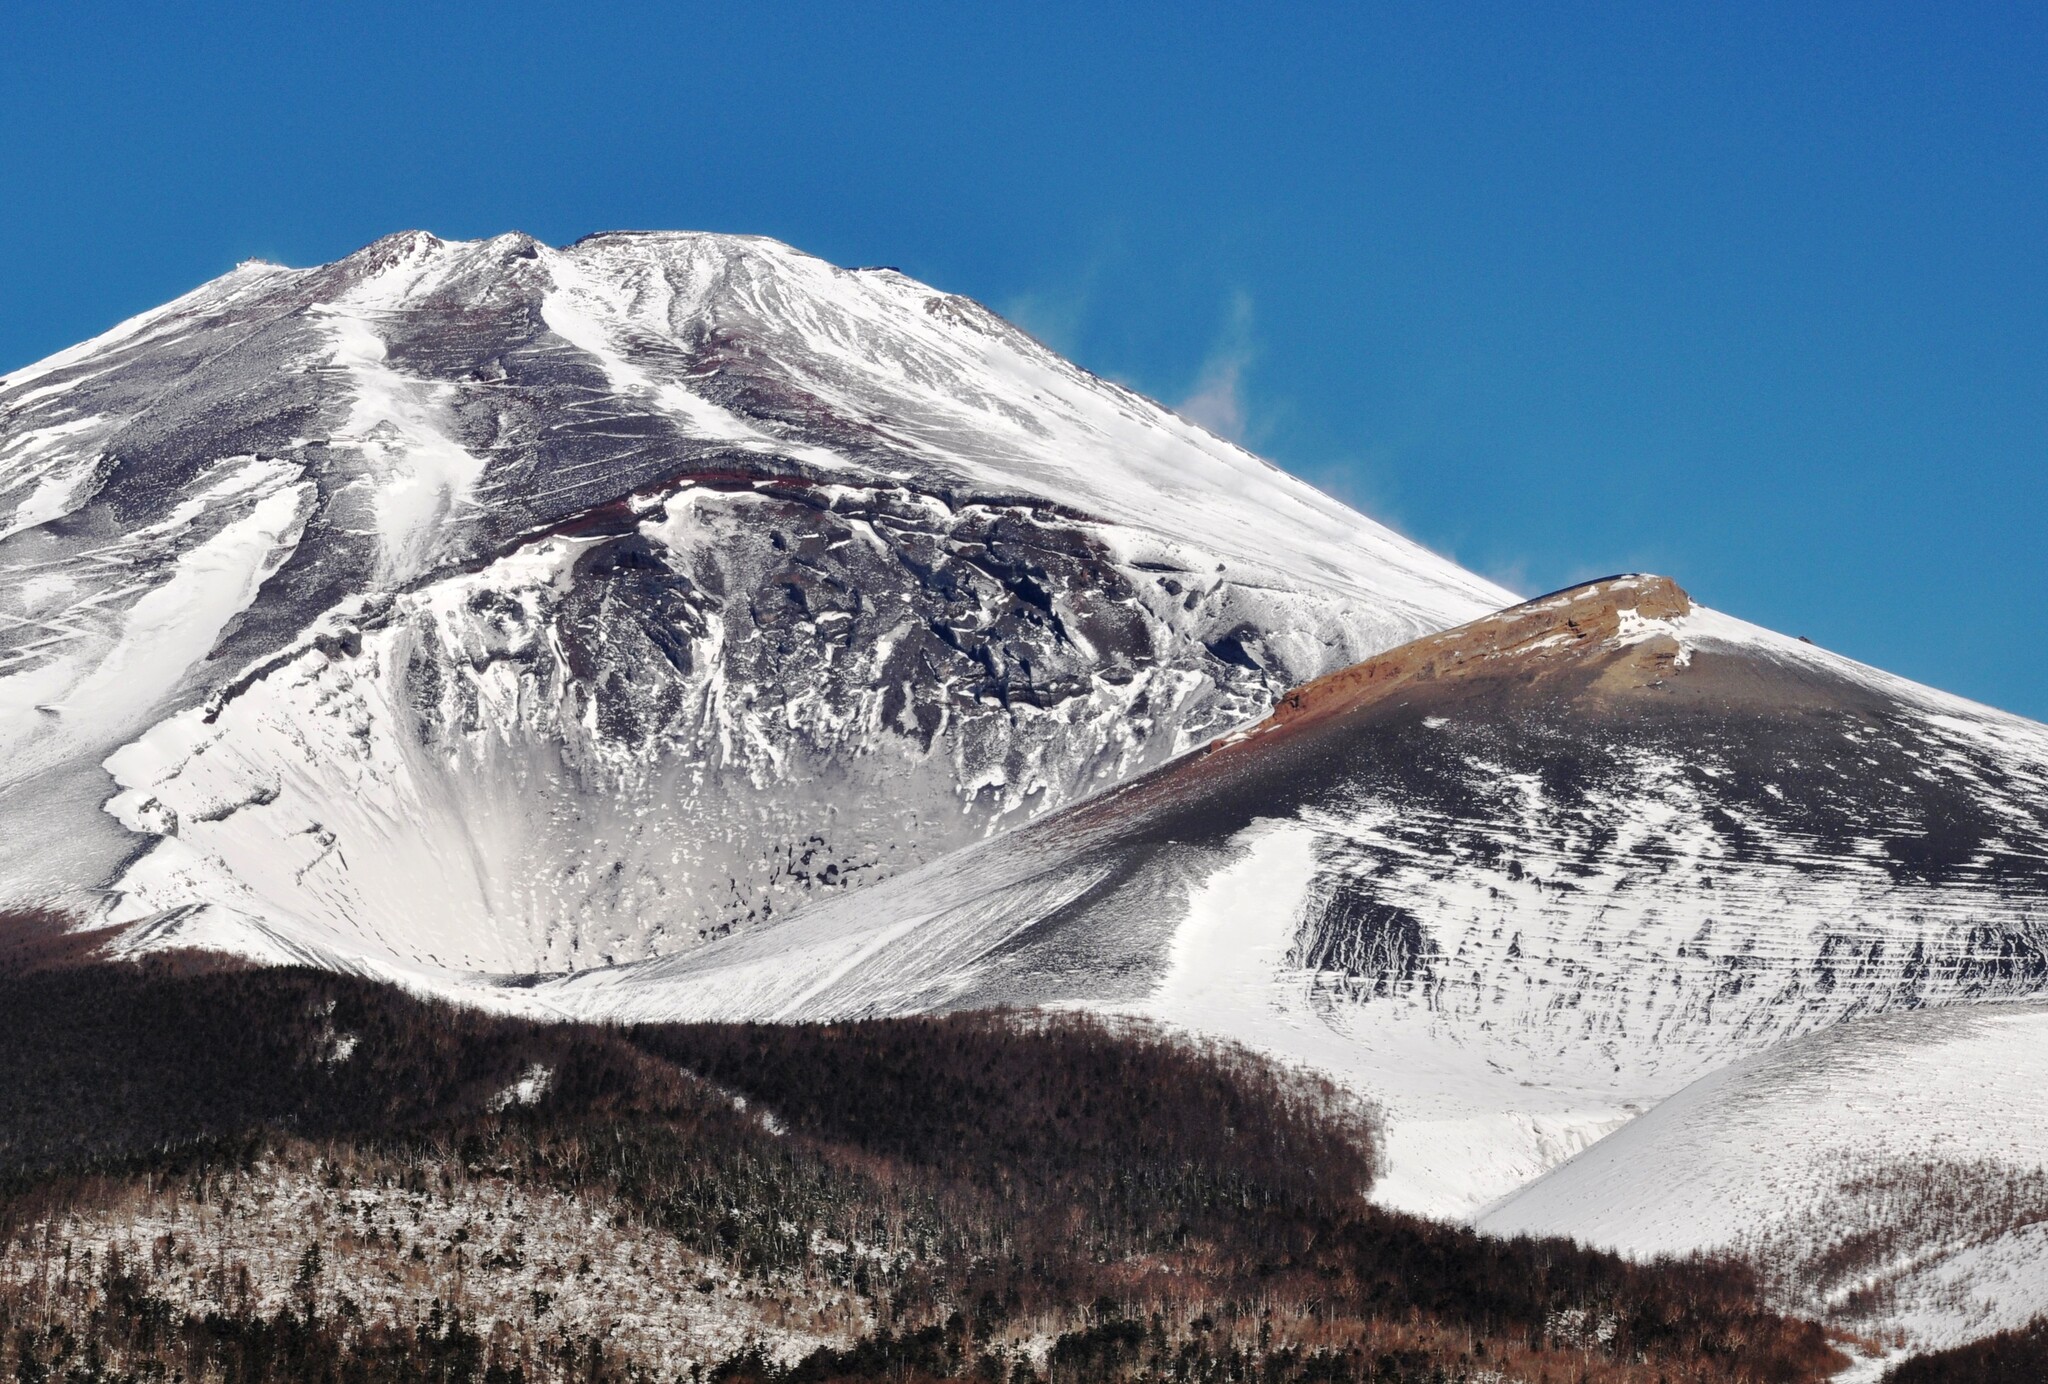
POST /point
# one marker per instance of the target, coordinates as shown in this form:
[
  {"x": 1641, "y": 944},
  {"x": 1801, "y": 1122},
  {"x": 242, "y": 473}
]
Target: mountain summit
[{"x": 496, "y": 607}]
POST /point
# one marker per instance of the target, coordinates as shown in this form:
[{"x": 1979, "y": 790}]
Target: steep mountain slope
[
  {"x": 1520, "y": 881},
  {"x": 498, "y": 607},
  {"x": 1889, "y": 1171}
]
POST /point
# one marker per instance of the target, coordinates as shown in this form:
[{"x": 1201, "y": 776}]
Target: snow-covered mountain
[
  {"x": 1520, "y": 881},
  {"x": 679, "y": 626},
  {"x": 1888, "y": 1173},
  {"x": 503, "y": 608}
]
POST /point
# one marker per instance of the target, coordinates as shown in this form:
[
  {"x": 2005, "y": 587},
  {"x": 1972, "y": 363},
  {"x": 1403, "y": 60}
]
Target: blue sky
[{"x": 1753, "y": 295}]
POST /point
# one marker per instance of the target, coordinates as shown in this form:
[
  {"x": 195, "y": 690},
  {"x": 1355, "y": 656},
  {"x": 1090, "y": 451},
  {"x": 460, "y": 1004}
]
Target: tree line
[{"x": 1011, "y": 1198}]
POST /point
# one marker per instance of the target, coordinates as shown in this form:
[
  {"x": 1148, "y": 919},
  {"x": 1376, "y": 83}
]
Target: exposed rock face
[
  {"x": 1545, "y": 867},
  {"x": 1549, "y": 635},
  {"x": 497, "y": 607}
]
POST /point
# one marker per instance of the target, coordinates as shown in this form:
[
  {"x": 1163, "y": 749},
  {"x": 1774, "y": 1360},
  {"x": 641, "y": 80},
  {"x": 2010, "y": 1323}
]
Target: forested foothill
[{"x": 216, "y": 1172}]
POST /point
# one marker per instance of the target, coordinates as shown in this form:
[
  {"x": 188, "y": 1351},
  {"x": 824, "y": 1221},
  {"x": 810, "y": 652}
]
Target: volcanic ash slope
[
  {"x": 1520, "y": 881},
  {"x": 1888, "y": 1173}
]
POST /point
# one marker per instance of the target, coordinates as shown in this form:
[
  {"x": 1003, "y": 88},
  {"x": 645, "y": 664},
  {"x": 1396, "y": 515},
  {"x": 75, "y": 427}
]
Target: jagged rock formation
[{"x": 497, "y": 607}]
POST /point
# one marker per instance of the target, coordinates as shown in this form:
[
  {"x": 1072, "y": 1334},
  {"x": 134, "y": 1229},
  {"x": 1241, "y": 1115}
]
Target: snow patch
[
  {"x": 422, "y": 475},
  {"x": 531, "y": 1086}
]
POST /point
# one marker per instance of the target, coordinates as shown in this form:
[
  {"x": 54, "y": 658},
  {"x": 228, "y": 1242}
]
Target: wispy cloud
[
  {"x": 1055, "y": 316},
  {"x": 1511, "y": 572},
  {"x": 1058, "y": 311},
  {"x": 1217, "y": 402},
  {"x": 1364, "y": 481}
]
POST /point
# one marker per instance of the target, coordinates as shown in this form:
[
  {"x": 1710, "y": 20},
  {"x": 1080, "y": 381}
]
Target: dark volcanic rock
[{"x": 501, "y": 607}]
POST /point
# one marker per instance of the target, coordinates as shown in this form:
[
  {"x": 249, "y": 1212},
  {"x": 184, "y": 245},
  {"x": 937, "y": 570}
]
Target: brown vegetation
[
  {"x": 34, "y": 939},
  {"x": 2010, "y": 1357},
  {"x": 271, "y": 1175},
  {"x": 1859, "y": 1253}
]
